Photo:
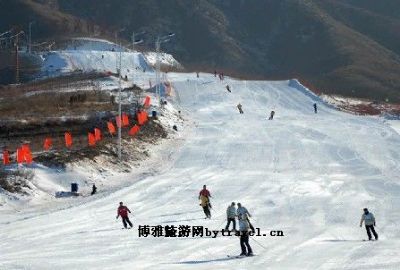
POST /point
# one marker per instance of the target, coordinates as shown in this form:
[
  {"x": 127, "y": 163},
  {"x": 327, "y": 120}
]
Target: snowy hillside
[
  {"x": 306, "y": 174},
  {"x": 85, "y": 54}
]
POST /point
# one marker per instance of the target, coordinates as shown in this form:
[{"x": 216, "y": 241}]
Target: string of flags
[{"x": 24, "y": 154}]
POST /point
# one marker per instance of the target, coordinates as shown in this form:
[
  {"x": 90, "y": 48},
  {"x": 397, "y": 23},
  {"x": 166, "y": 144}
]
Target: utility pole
[
  {"x": 30, "y": 37},
  {"x": 134, "y": 66},
  {"x": 16, "y": 61},
  {"x": 119, "y": 107},
  {"x": 158, "y": 63},
  {"x": 158, "y": 67},
  {"x": 134, "y": 42}
]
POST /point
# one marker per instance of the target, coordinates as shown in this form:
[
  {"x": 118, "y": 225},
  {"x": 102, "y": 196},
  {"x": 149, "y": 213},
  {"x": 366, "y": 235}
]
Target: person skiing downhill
[
  {"x": 244, "y": 227},
  {"x": 231, "y": 215},
  {"x": 244, "y": 213},
  {"x": 123, "y": 212},
  {"x": 205, "y": 192},
  {"x": 315, "y": 108},
  {"x": 94, "y": 190},
  {"x": 228, "y": 88},
  {"x": 204, "y": 197},
  {"x": 239, "y": 106},
  {"x": 271, "y": 116},
  {"x": 205, "y": 203},
  {"x": 369, "y": 220}
]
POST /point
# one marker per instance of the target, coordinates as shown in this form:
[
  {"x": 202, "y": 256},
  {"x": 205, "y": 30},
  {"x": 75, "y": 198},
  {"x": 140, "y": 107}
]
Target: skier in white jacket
[
  {"x": 242, "y": 212},
  {"x": 369, "y": 220},
  {"x": 231, "y": 215},
  {"x": 244, "y": 227}
]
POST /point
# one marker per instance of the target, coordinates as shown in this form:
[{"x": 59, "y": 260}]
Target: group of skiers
[
  {"x": 243, "y": 216},
  {"x": 245, "y": 226},
  {"x": 241, "y": 213}
]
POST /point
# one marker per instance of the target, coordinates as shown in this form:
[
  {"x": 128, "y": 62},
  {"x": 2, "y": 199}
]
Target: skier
[
  {"x": 242, "y": 211},
  {"x": 315, "y": 108},
  {"x": 239, "y": 106},
  {"x": 204, "y": 197},
  {"x": 123, "y": 212},
  {"x": 205, "y": 192},
  {"x": 215, "y": 73},
  {"x": 271, "y": 116},
  {"x": 244, "y": 227},
  {"x": 228, "y": 88},
  {"x": 197, "y": 74},
  {"x": 231, "y": 215},
  {"x": 205, "y": 203},
  {"x": 369, "y": 220},
  {"x": 94, "y": 189}
]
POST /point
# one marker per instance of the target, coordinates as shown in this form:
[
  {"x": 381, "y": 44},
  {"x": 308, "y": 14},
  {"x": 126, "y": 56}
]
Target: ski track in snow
[{"x": 304, "y": 173}]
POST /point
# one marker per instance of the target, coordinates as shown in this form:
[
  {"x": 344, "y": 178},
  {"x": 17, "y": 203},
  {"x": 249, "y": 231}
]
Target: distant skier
[
  {"x": 244, "y": 227},
  {"x": 369, "y": 220},
  {"x": 94, "y": 190},
  {"x": 231, "y": 215},
  {"x": 197, "y": 75},
  {"x": 239, "y": 106},
  {"x": 228, "y": 88},
  {"x": 315, "y": 108},
  {"x": 215, "y": 73},
  {"x": 123, "y": 212},
  {"x": 204, "y": 197},
  {"x": 244, "y": 213},
  {"x": 271, "y": 116}
]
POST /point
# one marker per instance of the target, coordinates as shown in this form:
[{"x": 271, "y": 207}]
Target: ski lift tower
[{"x": 159, "y": 41}]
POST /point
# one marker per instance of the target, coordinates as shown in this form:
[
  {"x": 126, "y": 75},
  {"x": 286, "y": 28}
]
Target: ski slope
[{"x": 306, "y": 174}]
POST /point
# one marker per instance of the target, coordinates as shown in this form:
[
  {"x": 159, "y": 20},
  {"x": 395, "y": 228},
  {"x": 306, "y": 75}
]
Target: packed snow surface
[{"x": 306, "y": 174}]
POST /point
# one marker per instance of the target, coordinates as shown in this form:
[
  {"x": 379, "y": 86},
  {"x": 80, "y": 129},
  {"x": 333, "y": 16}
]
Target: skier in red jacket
[
  {"x": 123, "y": 212},
  {"x": 205, "y": 192}
]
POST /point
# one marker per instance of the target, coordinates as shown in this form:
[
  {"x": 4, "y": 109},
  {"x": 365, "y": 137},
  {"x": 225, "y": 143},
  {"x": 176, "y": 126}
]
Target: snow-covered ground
[
  {"x": 87, "y": 55},
  {"x": 306, "y": 174}
]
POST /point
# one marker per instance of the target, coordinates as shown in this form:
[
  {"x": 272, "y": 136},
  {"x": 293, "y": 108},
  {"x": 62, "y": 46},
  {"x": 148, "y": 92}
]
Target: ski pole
[{"x": 258, "y": 243}]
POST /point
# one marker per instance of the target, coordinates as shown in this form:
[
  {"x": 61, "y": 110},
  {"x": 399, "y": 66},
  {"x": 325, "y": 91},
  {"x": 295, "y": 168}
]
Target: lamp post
[
  {"x": 119, "y": 107},
  {"x": 30, "y": 37},
  {"x": 134, "y": 42},
  {"x": 159, "y": 41}
]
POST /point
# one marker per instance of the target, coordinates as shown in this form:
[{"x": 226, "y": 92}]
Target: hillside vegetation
[{"x": 346, "y": 47}]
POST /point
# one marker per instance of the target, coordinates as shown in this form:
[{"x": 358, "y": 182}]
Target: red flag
[
  {"x": 125, "y": 120},
  {"x": 20, "y": 155},
  {"x": 6, "y": 157},
  {"x": 147, "y": 102},
  {"x": 111, "y": 128},
  {"x": 135, "y": 129},
  {"x": 27, "y": 154},
  {"x": 91, "y": 139},
  {"x": 97, "y": 134},
  {"x": 48, "y": 143},
  {"x": 68, "y": 139},
  {"x": 142, "y": 117}
]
